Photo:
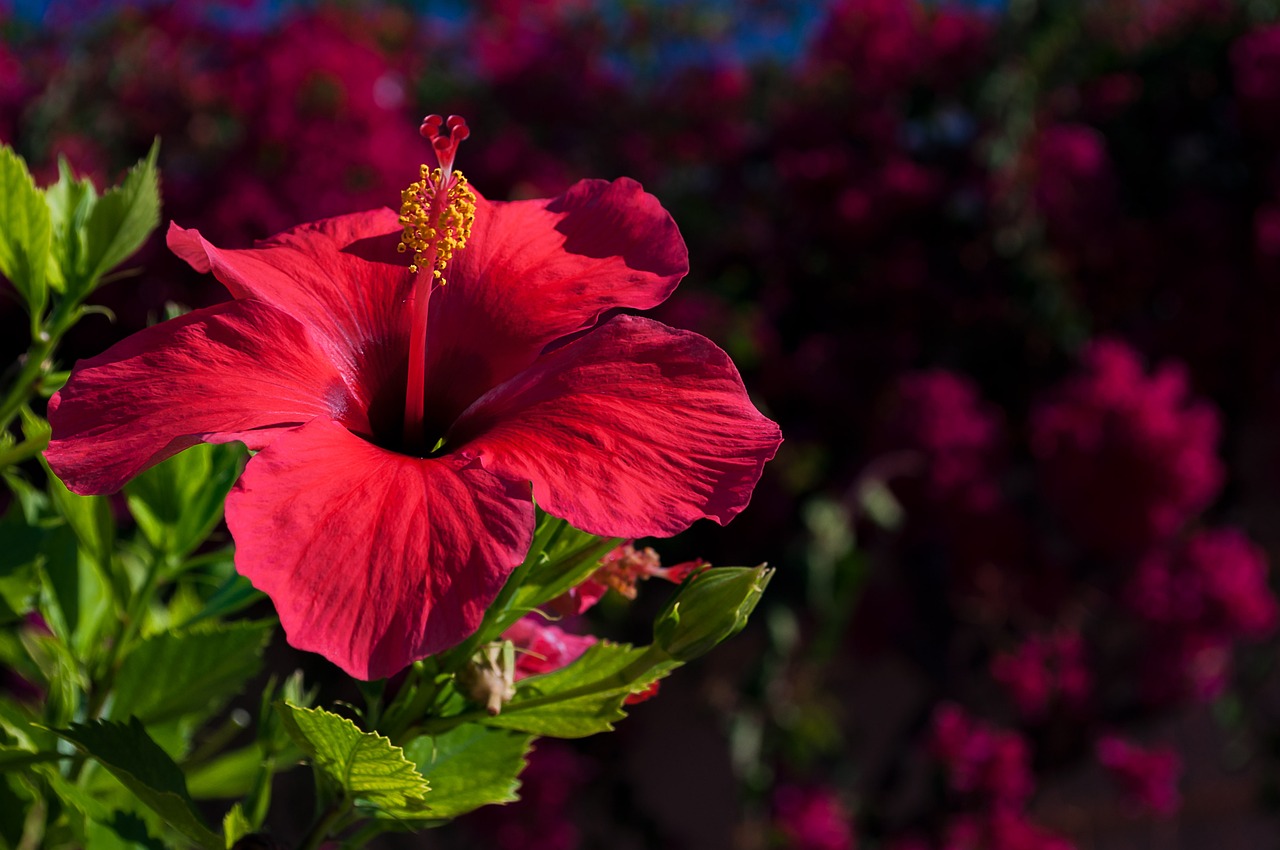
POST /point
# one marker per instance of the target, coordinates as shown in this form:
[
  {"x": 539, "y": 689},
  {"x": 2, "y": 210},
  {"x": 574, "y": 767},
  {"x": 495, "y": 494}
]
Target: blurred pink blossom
[
  {"x": 1126, "y": 458},
  {"x": 812, "y": 818},
  {"x": 1147, "y": 776}
]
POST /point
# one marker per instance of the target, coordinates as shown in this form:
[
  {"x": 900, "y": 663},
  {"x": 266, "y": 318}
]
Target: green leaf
[
  {"x": 120, "y": 831},
  {"x": 227, "y": 775},
  {"x": 70, "y": 201},
  {"x": 19, "y": 580},
  {"x": 171, "y": 674},
  {"x": 179, "y": 502},
  {"x": 76, "y": 602},
  {"x": 18, "y": 724},
  {"x": 104, "y": 826},
  {"x": 235, "y": 826},
  {"x": 469, "y": 767},
  {"x": 90, "y": 518},
  {"x": 102, "y": 584},
  {"x": 585, "y": 697},
  {"x": 59, "y": 673},
  {"x": 561, "y": 557},
  {"x": 13, "y": 758},
  {"x": 131, "y": 756},
  {"x": 60, "y": 574},
  {"x": 25, "y": 233},
  {"x": 234, "y": 594},
  {"x": 123, "y": 218},
  {"x": 13, "y": 813},
  {"x": 363, "y": 765}
]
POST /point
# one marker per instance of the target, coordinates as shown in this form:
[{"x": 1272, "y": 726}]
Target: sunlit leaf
[
  {"x": 123, "y": 218},
  {"x": 25, "y": 232},
  {"x": 235, "y": 826},
  {"x": 70, "y": 201},
  {"x": 362, "y": 765},
  {"x": 585, "y": 697},
  {"x": 469, "y": 767}
]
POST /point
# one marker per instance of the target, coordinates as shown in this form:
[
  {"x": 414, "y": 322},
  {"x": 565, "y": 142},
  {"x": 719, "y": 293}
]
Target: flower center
[{"x": 436, "y": 212}]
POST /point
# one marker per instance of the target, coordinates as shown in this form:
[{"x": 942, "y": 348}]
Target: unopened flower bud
[{"x": 711, "y": 607}]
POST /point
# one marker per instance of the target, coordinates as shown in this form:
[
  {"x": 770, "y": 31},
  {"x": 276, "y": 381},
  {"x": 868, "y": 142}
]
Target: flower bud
[{"x": 711, "y": 607}]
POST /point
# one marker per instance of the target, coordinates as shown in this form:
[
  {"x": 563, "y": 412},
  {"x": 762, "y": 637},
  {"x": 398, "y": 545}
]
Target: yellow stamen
[{"x": 436, "y": 213}]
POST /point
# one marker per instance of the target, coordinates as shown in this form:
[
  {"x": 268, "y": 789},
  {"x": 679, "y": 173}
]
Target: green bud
[{"x": 711, "y": 607}]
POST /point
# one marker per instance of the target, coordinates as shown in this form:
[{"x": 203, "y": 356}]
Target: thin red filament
[{"x": 445, "y": 146}]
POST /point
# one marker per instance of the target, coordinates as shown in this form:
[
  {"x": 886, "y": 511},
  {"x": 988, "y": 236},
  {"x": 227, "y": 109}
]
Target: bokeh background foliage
[{"x": 1008, "y": 275}]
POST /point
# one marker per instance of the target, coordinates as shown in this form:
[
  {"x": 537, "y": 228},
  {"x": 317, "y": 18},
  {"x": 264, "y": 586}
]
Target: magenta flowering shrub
[
  {"x": 1197, "y": 601},
  {"x": 1126, "y": 459}
]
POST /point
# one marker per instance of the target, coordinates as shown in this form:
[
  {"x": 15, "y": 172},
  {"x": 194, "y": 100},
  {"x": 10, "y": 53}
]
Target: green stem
[
  {"x": 320, "y": 831},
  {"x": 555, "y": 528},
  {"x": 412, "y": 702},
  {"x": 28, "y": 448},
  {"x": 457, "y": 658},
  {"x": 33, "y": 369},
  {"x": 127, "y": 629},
  {"x": 213, "y": 745},
  {"x": 365, "y": 834}
]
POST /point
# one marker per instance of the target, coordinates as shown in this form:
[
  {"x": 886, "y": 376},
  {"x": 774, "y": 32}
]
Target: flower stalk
[{"x": 436, "y": 213}]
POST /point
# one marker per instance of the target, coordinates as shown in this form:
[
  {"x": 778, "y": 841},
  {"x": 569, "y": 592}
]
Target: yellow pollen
[{"x": 432, "y": 221}]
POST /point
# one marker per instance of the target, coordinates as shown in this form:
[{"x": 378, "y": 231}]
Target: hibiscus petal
[
  {"x": 374, "y": 559},
  {"x": 535, "y": 271},
  {"x": 234, "y": 371},
  {"x": 636, "y": 429},
  {"x": 341, "y": 276}
]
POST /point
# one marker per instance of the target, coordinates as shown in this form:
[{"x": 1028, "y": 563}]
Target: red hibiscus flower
[{"x": 403, "y": 426}]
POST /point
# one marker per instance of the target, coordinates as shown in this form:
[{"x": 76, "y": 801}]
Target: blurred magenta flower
[
  {"x": 542, "y": 647},
  {"x": 1000, "y": 829},
  {"x": 1076, "y": 184},
  {"x": 959, "y": 437},
  {"x": 1042, "y": 670},
  {"x": 402, "y": 425},
  {"x": 1255, "y": 61},
  {"x": 812, "y": 818},
  {"x": 1126, "y": 458},
  {"x": 1147, "y": 776},
  {"x": 1197, "y": 599},
  {"x": 1216, "y": 580},
  {"x": 978, "y": 759},
  {"x": 544, "y": 817}
]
